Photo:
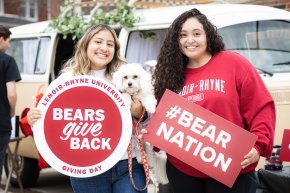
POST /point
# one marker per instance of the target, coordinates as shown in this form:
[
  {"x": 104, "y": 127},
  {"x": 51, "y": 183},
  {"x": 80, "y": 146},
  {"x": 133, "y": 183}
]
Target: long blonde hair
[{"x": 80, "y": 63}]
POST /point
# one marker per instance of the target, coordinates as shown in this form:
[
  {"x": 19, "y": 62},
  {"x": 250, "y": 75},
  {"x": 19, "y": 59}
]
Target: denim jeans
[{"x": 115, "y": 180}]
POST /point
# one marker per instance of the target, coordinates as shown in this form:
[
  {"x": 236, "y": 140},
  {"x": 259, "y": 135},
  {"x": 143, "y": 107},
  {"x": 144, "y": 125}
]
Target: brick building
[
  {"x": 281, "y": 4},
  {"x": 18, "y": 12}
]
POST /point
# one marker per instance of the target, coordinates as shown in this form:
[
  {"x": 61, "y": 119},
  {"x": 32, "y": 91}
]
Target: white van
[{"x": 261, "y": 34}]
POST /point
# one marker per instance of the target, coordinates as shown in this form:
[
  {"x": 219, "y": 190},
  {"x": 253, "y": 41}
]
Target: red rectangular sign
[
  {"x": 285, "y": 147},
  {"x": 199, "y": 138}
]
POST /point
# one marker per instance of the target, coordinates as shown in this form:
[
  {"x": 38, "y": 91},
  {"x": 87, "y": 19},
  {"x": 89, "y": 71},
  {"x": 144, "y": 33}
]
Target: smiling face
[
  {"x": 101, "y": 50},
  {"x": 193, "y": 42}
]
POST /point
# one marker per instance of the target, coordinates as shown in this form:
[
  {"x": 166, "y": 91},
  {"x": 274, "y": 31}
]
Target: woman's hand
[
  {"x": 250, "y": 158},
  {"x": 136, "y": 108},
  {"x": 33, "y": 115},
  {"x": 144, "y": 131}
]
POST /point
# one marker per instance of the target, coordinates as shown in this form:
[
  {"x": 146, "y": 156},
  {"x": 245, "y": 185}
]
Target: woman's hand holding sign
[
  {"x": 250, "y": 158},
  {"x": 33, "y": 115}
]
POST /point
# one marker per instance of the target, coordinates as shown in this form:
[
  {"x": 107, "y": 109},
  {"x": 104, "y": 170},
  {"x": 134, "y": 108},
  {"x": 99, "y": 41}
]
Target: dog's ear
[{"x": 117, "y": 79}]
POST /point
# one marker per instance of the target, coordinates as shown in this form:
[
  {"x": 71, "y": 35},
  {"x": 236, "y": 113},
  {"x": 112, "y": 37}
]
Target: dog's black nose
[{"x": 130, "y": 84}]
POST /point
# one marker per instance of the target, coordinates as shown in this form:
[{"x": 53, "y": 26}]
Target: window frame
[
  {"x": 1, "y": 7},
  {"x": 38, "y": 60},
  {"x": 27, "y": 7}
]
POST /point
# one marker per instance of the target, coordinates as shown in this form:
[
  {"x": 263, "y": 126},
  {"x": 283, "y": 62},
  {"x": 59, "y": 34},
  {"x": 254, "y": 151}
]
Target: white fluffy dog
[{"x": 135, "y": 83}]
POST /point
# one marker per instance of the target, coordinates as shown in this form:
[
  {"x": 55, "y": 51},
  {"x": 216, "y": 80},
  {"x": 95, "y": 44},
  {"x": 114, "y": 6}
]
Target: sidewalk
[
  {"x": 10, "y": 188},
  {"x": 45, "y": 182}
]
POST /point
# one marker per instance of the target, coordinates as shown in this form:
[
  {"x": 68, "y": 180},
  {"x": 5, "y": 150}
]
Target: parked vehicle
[{"x": 261, "y": 34}]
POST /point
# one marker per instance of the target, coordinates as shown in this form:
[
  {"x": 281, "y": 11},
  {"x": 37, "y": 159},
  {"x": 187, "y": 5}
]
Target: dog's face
[
  {"x": 131, "y": 83},
  {"x": 131, "y": 78}
]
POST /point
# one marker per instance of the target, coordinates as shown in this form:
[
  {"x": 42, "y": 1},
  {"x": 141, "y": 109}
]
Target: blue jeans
[{"x": 115, "y": 180}]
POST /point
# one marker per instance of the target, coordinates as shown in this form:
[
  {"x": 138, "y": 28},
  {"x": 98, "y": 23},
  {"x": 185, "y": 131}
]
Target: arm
[
  {"x": 136, "y": 108},
  {"x": 258, "y": 110},
  {"x": 12, "y": 96}
]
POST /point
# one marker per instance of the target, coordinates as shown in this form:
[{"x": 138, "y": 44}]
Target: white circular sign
[{"x": 85, "y": 127}]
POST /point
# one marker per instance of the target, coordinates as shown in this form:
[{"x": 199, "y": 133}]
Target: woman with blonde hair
[
  {"x": 81, "y": 63},
  {"x": 98, "y": 54}
]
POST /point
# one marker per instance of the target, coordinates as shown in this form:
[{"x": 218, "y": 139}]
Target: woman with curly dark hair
[{"x": 194, "y": 63}]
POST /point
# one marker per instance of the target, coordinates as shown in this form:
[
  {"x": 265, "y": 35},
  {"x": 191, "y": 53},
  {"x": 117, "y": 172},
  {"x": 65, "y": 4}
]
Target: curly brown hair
[{"x": 171, "y": 62}]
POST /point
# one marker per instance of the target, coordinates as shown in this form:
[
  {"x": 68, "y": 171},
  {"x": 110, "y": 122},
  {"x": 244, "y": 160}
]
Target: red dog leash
[{"x": 143, "y": 155}]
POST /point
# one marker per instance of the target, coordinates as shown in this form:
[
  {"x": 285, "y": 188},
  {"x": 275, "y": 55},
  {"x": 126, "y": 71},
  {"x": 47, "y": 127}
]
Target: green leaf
[{"x": 76, "y": 25}]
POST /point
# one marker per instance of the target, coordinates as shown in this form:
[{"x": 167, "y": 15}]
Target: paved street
[{"x": 49, "y": 181}]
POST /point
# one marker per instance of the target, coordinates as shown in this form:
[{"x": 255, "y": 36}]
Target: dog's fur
[
  {"x": 157, "y": 164},
  {"x": 135, "y": 83}
]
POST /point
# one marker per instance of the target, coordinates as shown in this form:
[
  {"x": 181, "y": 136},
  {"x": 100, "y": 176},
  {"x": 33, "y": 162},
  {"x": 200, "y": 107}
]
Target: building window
[
  {"x": 1, "y": 7},
  {"x": 29, "y": 9}
]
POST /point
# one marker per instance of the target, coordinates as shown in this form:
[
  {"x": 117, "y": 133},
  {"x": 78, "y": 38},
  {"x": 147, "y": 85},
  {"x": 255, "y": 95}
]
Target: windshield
[
  {"x": 30, "y": 54},
  {"x": 265, "y": 43},
  {"x": 144, "y": 46}
]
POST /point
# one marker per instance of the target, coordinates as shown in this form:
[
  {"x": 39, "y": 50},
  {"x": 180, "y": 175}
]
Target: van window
[
  {"x": 265, "y": 43},
  {"x": 144, "y": 46},
  {"x": 30, "y": 54}
]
